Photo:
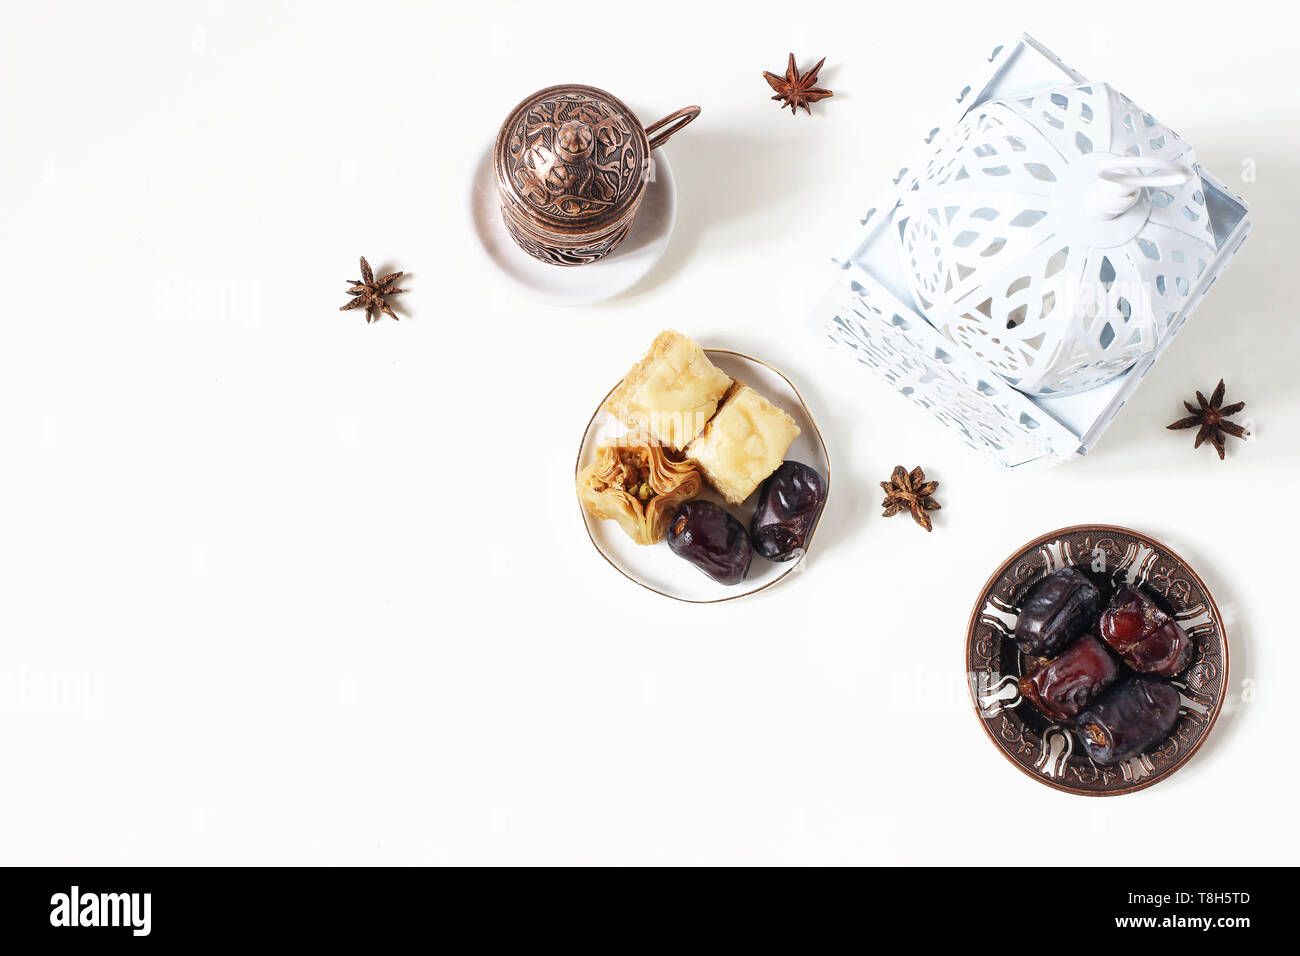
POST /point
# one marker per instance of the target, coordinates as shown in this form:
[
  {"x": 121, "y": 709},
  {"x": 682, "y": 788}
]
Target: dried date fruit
[
  {"x": 789, "y": 504},
  {"x": 1128, "y": 719},
  {"x": 712, "y": 539},
  {"x": 1058, "y": 609},
  {"x": 1064, "y": 685},
  {"x": 1144, "y": 636}
]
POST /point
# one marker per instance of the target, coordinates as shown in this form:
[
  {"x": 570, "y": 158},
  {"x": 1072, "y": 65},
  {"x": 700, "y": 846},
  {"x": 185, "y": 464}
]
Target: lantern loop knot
[{"x": 1121, "y": 179}]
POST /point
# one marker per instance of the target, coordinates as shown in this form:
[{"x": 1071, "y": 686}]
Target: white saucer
[
  {"x": 576, "y": 285},
  {"x": 654, "y": 566}
]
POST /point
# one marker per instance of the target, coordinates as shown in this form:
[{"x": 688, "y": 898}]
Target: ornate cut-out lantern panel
[
  {"x": 1020, "y": 280},
  {"x": 1054, "y": 235}
]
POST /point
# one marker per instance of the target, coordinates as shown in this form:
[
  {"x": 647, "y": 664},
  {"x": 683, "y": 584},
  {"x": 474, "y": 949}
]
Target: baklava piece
[
  {"x": 744, "y": 443},
  {"x": 671, "y": 393},
  {"x": 633, "y": 481}
]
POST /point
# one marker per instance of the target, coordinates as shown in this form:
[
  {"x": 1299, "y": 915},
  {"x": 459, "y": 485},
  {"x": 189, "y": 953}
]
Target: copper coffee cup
[{"x": 572, "y": 166}]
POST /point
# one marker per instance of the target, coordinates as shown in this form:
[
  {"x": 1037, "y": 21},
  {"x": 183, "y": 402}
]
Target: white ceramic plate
[
  {"x": 577, "y": 285},
  {"x": 655, "y": 566}
]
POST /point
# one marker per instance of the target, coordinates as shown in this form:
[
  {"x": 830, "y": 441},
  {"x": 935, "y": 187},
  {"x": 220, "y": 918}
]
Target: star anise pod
[
  {"x": 369, "y": 293},
  {"x": 797, "y": 90},
  {"x": 912, "y": 492},
  {"x": 1211, "y": 418}
]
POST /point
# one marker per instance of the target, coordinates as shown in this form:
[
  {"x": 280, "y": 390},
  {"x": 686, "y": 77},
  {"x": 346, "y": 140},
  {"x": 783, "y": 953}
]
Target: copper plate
[{"x": 1045, "y": 750}]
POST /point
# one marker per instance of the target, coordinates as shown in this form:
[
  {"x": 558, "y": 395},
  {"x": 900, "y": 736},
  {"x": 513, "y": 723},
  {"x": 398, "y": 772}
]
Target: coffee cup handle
[{"x": 670, "y": 124}]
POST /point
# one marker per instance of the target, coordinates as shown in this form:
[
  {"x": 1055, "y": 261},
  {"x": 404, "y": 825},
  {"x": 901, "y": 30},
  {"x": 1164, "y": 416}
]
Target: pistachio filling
[
  {"x": 631, "y": 476},
  {"x": 635, "y": 470}
]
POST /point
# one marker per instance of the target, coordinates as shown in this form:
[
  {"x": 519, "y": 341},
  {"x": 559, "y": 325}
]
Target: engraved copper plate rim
[
  {"x": 1045, "y": 751},
  {"x": 587, "y": 521}
]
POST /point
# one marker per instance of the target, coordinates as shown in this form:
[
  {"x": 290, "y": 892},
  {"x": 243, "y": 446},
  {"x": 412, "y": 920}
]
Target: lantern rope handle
[{"x": 1120, "y": 180}]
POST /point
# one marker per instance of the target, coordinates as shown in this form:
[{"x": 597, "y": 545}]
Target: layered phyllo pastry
[
  {"x": 671, "y": 393},
  {"x": 635, "y": 481},
  {"x": 743, "y": 443}
]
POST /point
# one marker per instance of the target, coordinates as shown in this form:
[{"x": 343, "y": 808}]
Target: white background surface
[{"x": 276, "y": 586}]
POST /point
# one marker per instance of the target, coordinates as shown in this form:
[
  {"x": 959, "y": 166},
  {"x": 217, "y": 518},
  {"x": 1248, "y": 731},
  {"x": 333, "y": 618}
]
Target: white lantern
[
  {"x": 1054, "y": 236},
  {"x": 1020, "y": 279}
]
